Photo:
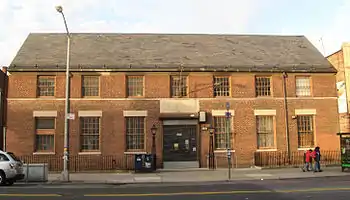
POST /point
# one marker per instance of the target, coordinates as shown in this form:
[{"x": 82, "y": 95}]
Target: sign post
[{"x": 228, "y": 138}]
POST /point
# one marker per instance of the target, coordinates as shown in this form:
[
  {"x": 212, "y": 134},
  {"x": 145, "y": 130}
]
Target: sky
[{"x": 324, "y": 22}]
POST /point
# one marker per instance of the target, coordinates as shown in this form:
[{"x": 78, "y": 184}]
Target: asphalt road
[{"x": 334, "y": 188}]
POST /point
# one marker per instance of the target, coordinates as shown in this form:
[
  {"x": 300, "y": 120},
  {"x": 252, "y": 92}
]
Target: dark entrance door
[{"x": 180, "y": 143}]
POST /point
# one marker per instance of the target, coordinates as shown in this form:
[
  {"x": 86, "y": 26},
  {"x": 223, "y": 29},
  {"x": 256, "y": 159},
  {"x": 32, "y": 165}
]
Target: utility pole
[
  {"x": 65, "y": 173},
  {"x": 228, "y": 138}
]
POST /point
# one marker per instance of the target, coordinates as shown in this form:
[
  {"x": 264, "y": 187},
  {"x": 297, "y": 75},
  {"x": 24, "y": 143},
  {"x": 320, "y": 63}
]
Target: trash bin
[
  {"x": 138, "y": 162},
  {"x": 144, "y": 163}
]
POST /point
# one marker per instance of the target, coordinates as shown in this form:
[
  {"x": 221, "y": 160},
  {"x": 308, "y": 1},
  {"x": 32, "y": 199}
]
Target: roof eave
[{"x": 187, "y": 69}]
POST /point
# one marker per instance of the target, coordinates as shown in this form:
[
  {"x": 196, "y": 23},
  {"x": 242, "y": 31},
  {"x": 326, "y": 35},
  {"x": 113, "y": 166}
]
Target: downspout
[
  {"x": 4, "y": 96},
  {"x": 286, "y": 115},
  {"x": 2, "y": 120}
]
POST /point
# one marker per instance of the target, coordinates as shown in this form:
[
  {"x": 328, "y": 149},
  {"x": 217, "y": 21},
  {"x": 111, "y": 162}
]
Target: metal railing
[
  {"x": 83, "y": 163},
  {"x": 278, "y": 159}
]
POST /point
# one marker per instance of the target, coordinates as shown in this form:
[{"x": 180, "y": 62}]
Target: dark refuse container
[{"x": 144, "y": 163}]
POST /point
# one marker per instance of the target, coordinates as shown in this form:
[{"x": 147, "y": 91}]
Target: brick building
[
  {"x": 122, "y": 84},
  {"x": 3, "y": 93},
  {"x": 341, "y": 61}
]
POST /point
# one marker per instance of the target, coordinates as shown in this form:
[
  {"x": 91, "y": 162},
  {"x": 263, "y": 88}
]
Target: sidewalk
[{"x": 198, "y": 175}]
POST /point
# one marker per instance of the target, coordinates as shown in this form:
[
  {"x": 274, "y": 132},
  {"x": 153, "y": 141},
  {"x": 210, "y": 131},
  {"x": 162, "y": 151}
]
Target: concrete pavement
[
  {"x": 198, "y": 175},
  {"x": 323, "y": 188}
]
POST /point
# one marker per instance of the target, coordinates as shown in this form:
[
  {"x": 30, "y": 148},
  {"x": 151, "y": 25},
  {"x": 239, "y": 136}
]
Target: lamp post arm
[{"x": 65, "y": 24}]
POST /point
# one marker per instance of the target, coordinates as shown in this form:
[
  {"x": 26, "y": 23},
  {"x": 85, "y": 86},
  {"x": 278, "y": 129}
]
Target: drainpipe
[
  {"x": 3, "y": 107},
  {"x": 286, "y": 115}
]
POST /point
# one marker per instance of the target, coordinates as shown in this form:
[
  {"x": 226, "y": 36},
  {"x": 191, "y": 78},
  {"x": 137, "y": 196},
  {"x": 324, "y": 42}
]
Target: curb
[{"x": 161, "y": 182}]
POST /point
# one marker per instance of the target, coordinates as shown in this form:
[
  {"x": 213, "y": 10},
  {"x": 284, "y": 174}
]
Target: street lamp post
[
  {"x": 211, "y": 148},
  {"x": 65, "y": 172},
  {"x": 154, "y": 131},
  {"x": 228, "y": 138}
]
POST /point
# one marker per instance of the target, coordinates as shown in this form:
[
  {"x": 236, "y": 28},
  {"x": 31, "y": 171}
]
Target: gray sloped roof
[{"x": 114, "y": 51}]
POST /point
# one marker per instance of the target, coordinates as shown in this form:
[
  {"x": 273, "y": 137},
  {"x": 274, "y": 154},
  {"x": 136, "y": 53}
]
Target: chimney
[{"x": 4, "y": 69}]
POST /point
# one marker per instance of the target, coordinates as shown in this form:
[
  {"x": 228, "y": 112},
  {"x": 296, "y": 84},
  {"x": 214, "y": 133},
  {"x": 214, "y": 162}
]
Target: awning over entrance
[{"x": 168, "y": 116}]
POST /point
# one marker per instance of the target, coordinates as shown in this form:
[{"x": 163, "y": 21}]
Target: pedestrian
[
  {"x": 311, "y": 159},
  {"x": 307, "y": 160},
  {"x": 317, "y": 157}
]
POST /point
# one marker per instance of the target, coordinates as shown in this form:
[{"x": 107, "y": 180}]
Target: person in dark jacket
[{"x": 317, "y": 156}]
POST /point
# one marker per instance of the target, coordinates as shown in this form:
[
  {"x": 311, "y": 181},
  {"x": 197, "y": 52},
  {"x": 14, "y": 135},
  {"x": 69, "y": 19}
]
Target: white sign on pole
[{"x": 71, "y": 116}]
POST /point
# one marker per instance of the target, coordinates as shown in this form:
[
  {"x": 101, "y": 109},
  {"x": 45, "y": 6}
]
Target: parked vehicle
[{"x": 11, "y": 168}]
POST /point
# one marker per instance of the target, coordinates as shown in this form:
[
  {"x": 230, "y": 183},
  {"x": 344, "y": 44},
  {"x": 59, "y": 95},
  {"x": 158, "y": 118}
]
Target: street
[{"x": 335, "y": 188}]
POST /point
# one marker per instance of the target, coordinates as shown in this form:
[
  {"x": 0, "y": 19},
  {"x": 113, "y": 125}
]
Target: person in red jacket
[{"x": 308, "y": 158}]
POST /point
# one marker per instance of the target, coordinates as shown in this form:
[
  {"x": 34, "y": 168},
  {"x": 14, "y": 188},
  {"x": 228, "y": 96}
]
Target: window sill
[
  {"x": 223, "y": 151},
  {"x": 264, "y": 150},
  {"x": 46, "y": 97},
  {"x": 179, "y": 97},
  {"x": 264, "y": 97},
  {"x": 301, "y": 96},
  {"x": 135, "y": 97},
  {"x": 90, "y": 97},
  {"x": 218, "y": 97},
  {"x": 90, "y": 153},
  {"x": 306, "y": 148},
  {"x": 44, "y": 153},
  {"x": 134, "y": 152}
]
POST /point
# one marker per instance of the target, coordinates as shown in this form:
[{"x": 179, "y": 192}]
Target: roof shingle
[{"x": 166, "y": 51}]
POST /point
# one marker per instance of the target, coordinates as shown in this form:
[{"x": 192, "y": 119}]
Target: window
[
  {"x": 45, "y": 134},
  {"x": 262, "y": 86},
  {"x": 221, "y": 86},
  {"x": 265, "y": 131},
  {"x": 305, "y": 131},
  {"x": 221, "y": 129},
  {"x": 178, "y": 86},
  {"x": 46, "y": 86},
  {"x": 135, "y": 133},
  {"x": 3, "y": 158},
  {"x": 90, "y": 86},
  {"x": 302, "y": 86},
  {"x": 90, "y": 134},
  {"x": 135, "y": 86}
]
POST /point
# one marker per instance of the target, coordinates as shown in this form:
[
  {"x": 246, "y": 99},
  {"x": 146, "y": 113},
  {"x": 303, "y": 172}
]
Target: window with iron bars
[
  {"x": 265, "y": 132},
  {"x": 135, "y": 133},
  {"x": 46, "y": 86},
  {"x": 90, "y": 133},
  {"x": 44, "y": 134},
  {"x": 178, "y": 86},
  {"x": 90, "y": 86},
  {"x": 135, "y": 86},
  {"x": 221, "y": 86},
  {"x": 221, "y": 130},
  {"x": 262, "y": 86},
  {"x": 302, "y": 86},
  {"x": 305, "y": 131}
]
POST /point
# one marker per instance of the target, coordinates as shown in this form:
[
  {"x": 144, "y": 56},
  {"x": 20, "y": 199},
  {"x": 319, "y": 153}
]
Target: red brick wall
[
  {"x": 112, "y": 86},
  {"x": 337, "y": 60}
]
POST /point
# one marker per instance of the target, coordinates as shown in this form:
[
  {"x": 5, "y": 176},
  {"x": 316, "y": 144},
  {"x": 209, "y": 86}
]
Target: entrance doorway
[{"x": 180, "y": 143}]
